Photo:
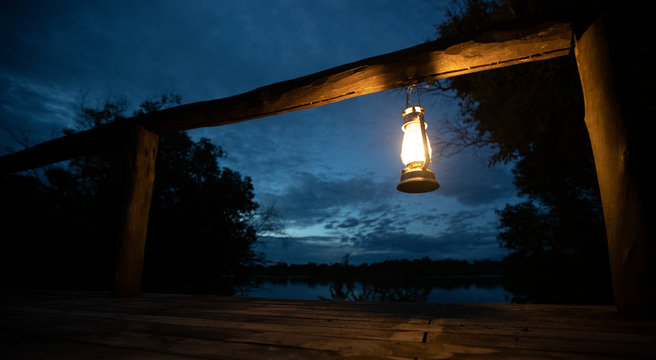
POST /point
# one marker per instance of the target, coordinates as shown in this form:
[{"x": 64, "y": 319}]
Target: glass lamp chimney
[{"x": 416, "y": 154}]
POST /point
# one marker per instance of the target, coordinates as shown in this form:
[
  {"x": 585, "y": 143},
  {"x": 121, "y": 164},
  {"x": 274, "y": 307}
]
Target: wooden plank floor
[{"x": 68, "y": 325}]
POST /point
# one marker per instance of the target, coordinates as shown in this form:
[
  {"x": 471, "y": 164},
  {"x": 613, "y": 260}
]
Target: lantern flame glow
[
  {"x": 412, "y": 148},
  {"x": 416, "y": 154}
]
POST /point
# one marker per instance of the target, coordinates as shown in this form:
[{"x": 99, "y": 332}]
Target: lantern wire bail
[
  {"x": 422, "y": 124},
  {"x": 408, "y": 92},
  {"x": 416, "y": 87}
]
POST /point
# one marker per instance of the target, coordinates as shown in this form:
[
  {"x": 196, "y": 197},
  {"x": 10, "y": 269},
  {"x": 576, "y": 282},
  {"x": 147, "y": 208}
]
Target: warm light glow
[
  {"x": 412, "y": 149},
  {"x": 415, "y": 178}
]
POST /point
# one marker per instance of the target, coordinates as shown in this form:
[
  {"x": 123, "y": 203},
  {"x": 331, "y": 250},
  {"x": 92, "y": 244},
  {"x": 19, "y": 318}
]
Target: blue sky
[{"x": 331, "y": 171}]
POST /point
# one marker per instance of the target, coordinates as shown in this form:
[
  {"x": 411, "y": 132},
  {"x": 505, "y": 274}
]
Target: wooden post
[
  {"x": 620, "y": 165},
  {"x": 133, "y": 223}
]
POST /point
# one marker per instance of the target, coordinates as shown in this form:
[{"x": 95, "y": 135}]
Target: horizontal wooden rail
[
  {"x": 104, "y": 138},
  {"x": 504, "y": 45}
]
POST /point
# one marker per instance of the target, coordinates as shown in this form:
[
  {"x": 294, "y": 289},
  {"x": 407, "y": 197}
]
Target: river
[{"x": 451, "y": 289}]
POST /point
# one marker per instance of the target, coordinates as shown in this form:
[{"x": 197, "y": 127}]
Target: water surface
[{"x": 461, "y": 290}]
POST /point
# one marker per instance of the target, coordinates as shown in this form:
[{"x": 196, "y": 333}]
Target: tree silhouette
[
  {"x": 532, "y": 115},
  {"x": 201, "y": 228}
]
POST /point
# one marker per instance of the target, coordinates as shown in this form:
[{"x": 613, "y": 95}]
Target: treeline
[
  {"x": 535, "y": 279},
  {"x": 59, "y": 224},
  {"x": 390, "y": 280},
  {"x": 422, "y": 268}
]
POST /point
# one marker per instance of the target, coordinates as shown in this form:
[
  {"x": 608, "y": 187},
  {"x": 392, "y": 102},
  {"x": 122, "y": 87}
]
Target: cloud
[
  {"x": 464, "y": 237},
  {"x": 314, "y": 197},
  {"x": 466, "y": 177},
  {"x": 331, "y": 171},
  {"x": 349, "y": 223},
  {"x": 41, "y": 111},
  {"x": 301, "y": 250}
]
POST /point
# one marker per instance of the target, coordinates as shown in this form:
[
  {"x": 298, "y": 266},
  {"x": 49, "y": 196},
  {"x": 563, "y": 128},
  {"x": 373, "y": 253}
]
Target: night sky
[{"x": 330, "y": 171}]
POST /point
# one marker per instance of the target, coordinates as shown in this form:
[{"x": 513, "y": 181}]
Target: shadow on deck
[{"x": 74, "y": 325}]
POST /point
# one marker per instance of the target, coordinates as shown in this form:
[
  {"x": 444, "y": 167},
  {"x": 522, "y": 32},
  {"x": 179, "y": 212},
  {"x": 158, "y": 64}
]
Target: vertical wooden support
[
  {"x": 624, "y": 195},
  {"x": 138, "y": 190}
]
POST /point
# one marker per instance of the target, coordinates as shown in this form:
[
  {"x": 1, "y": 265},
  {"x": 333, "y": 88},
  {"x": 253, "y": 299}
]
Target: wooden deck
[{"x": 58, "y": 325}]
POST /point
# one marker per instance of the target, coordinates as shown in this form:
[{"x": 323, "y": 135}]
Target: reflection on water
[{"x": 446, "y": 289}]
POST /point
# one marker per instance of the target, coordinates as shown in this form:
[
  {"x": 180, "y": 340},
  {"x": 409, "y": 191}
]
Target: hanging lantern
[{"x": 415, "y": 152}]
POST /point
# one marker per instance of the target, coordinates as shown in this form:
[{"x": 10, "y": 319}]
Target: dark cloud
[
  {"x": 332, "y": 168},
  {"x": 463, "y": 237},
  {"x": 319, "y": 249},
  {"x": 377, "y": 209},
  {"x": 349, "y": 223},
  {"x": 36, "y": 111},
  {"x": 472, "y": 182},
  {"x": 448, "y": 244},
  {"x": 376, "y": 247},
  {"x": 314, "y": 197}
]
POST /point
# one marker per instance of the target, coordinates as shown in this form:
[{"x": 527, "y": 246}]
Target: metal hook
[{"x": 408, "y": 92}]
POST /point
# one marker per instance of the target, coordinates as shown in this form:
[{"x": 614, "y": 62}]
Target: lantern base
[{"x": 417, "y": 181}]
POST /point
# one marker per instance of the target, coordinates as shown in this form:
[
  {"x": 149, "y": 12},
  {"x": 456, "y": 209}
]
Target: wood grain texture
[
  {"x": 215, "y": 327},
  {"x": 138, "y": 190},
  {"x": 624, "y": 201},
  {"x": 468, "y": 53},
  {"x": 504, "y": 45}
]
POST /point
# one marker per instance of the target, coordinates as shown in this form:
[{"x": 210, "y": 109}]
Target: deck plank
[
  {"x": 44, "y": 348},
  {"x": 92, "y": 325}
]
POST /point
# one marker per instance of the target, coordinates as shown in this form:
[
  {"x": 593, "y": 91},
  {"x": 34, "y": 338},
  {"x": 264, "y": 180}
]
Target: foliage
[
  {"x": 532, "y": 116},
  {"x": 202, "y": 225},
  {"x": 390, "y": 280},
  {"x": 388, "y": 269}
]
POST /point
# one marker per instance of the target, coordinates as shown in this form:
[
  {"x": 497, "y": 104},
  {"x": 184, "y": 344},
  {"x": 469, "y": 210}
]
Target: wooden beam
[
  {"x": 619, "y": 164},
  {"x": 464, "y": 54},
  {"x": 504, "y": 45},
  {"x": 138, "y": 190},
  {"x": 104, "y": 138}
]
